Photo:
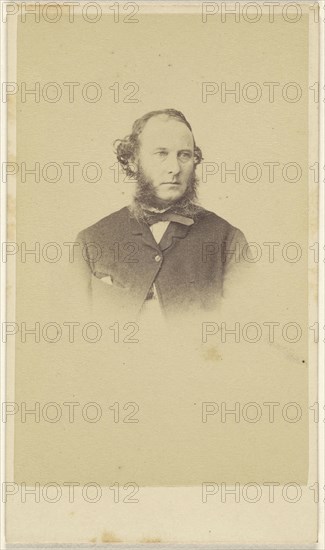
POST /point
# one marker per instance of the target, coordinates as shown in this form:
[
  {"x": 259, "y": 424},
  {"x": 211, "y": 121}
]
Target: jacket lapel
[
  {"x": 141, "y": 228},
  {"x": 174, "y": 231}
]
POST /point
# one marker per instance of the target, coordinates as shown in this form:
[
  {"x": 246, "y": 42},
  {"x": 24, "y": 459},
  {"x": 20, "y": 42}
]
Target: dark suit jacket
[{"x": 119, "y": 261}]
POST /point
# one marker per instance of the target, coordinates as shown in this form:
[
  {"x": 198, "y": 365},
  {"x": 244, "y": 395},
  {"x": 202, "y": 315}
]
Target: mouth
[{"x": 170, "y": 183}]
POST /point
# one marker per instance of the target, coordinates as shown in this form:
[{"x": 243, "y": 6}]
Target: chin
[{"x": 170, "y": 198}]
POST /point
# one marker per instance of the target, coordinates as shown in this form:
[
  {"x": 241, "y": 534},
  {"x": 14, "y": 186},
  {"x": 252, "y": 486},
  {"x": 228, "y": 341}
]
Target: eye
[
  {"x": 185, "y": 156},
  {"x": 161, "y": 154}
]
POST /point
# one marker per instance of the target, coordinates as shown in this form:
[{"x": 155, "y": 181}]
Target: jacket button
[{"x": 157, "y": 258}]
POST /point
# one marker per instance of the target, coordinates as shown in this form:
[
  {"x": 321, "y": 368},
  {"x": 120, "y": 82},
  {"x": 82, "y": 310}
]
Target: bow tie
[{"x": 155, "y": 217}]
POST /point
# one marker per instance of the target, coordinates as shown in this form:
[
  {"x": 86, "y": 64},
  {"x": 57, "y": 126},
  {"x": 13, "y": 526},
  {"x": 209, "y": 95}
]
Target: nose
[{"x": 173, "y": 166}]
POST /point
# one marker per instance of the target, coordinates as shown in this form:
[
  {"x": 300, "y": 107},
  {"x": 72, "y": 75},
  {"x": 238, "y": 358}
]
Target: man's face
[{"x": 166, "y": 158}]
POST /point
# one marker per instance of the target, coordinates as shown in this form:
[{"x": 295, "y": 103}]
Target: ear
[
  {"x": 197, "y": 155},
  {"x": 133, "y": 165}
]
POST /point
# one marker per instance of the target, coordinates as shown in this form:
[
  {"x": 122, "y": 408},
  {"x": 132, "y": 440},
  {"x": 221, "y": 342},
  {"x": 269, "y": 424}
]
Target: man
[{"x": 164, "y": 250}]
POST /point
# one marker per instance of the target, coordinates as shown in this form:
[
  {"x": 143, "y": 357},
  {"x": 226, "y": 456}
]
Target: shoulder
[
  {"x": 213, "y": 221},
  {"x": 113, "y": 223}
]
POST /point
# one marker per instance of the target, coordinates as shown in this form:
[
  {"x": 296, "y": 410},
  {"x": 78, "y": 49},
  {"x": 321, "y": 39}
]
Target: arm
[{"x": 238, "y": 264}]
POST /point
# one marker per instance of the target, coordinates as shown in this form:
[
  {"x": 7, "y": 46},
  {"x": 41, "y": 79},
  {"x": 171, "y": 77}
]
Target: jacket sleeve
[
  {"x": 80, "y": 278},
  {"x": 239, "y": 263},
  {"x": 95, "y": 290}
]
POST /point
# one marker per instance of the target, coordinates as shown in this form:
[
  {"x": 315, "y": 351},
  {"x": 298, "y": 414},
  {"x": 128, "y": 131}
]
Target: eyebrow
[{"x": 165, "y": 149}]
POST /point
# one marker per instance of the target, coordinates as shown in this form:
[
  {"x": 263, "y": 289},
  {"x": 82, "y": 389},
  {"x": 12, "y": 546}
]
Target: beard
[{"x": 145, "y": 195}]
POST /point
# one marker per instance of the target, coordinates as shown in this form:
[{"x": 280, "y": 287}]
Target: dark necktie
[{"x": 155, "y": 217}]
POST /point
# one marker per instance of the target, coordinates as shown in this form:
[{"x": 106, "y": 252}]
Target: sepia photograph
[
  {"x": 163, "y": 263},
  {"x": 164, "y": 250}
]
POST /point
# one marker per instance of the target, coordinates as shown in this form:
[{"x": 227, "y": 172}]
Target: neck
[{"x": 184, "y": 207}]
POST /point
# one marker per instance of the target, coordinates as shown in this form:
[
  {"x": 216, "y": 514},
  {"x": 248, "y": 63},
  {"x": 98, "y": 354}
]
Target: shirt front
[{"x": 158, "y": 229}]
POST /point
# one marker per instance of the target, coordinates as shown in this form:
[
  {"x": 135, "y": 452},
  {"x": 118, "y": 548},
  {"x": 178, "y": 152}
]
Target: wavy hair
[{"x": 126, "y": 149}]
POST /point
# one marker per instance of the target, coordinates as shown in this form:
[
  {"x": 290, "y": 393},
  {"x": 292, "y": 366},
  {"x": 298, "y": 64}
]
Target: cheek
[
  {"x": 149, "y": 166},
  {"x": 188, "y": 169},
  {"x": 145, "y": 161}
]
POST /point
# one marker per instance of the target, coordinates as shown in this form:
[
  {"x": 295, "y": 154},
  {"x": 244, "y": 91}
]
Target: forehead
[{"x": 163, "y": 131}]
